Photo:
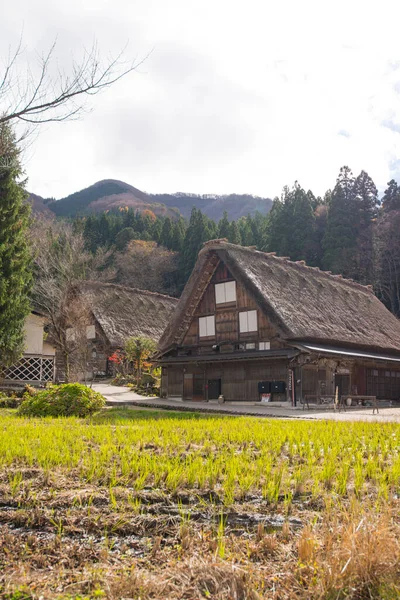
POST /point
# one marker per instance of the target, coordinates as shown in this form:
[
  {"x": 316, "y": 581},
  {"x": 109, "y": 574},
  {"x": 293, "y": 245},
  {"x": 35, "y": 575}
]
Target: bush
[
  {"x": 9, "y": 402},
  {"x": 71, "y": 399}
]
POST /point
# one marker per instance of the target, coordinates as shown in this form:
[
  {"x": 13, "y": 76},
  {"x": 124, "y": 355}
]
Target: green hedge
[{"x": 71, "y": 399}]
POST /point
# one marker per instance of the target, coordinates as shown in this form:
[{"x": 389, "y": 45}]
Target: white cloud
[{"x": 235, "y": 96}]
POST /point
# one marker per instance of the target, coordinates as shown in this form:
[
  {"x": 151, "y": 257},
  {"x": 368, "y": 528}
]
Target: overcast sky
[{"x": 235, "y": 96}]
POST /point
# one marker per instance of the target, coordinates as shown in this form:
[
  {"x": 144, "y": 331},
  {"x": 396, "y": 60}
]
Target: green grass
[
  {"x": 121, "y": 414},
  {"x": 234, "y": 456}
]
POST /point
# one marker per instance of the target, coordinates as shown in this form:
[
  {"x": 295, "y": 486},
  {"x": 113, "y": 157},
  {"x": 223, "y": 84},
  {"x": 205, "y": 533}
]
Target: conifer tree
[
  {"x": 234, "y": 233},
  {"x": 366, "y": 200},
  {"x": 166, "y": 233},
  {"x": 196, "y": 234},
  {"x": 245, "y": 230},
  {"x": 340, "y": 237},
  {"x": 391, "y": 197},
  {"x": 15, "y": 256},
  {"x": 302, "y": 227},
  {"x": 178, "y": 235},
  {"x": 223, "y": 226}
]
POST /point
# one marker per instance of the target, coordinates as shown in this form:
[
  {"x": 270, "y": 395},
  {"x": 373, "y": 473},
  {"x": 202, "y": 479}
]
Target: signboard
[{"x": 265, "y": 397}]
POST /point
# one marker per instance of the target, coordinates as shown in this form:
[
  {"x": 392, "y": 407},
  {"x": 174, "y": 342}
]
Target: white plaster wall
[
  {"x": 48, "y": 349},
  {"x": 34, "y": 334}
]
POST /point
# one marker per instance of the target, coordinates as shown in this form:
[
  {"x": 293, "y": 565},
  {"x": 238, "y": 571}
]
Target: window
[
  {"x": 225, "y": 292},
  {"x": 91, "y": 332},
  {"x": 264, "y": 346},
  {"x": 248, "y": 321},
  {"x": 207, "y": 326},
  {"x": 251, "y": 346}
]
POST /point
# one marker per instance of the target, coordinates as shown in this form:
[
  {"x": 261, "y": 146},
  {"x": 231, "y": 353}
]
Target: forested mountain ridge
[
  {"x": 110, "y": 194},
  {"x": 349, "y": 231}
]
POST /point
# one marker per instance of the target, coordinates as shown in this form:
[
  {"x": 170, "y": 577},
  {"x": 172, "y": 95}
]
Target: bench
[{"x": 359, "y": 400}]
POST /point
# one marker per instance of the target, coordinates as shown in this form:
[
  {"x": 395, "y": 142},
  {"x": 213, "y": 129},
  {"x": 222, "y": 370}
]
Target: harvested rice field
[{"x": 157, "y": 505}]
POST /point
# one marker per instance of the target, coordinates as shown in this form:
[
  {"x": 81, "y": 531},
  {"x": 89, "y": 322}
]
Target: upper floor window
[
  {"x": 207, "y": 326},
  {"x": 248, "y": 321},
  {"x": 225, "y": 292}
]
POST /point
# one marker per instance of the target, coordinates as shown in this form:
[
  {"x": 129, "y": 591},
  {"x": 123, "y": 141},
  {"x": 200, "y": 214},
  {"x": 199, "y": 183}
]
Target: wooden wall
[
  {"x": 239, "y": 378},
  {"x": 227, "y": 317}
]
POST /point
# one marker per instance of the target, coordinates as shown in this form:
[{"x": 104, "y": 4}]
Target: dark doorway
[
  {"x": 343, "y": 383},
  {"x": 214, "y": 389}
]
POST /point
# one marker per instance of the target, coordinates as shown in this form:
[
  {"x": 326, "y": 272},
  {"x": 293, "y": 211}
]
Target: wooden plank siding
[
  {"x": 227, "y": 317},
  {"x": 239, "y": 380}
]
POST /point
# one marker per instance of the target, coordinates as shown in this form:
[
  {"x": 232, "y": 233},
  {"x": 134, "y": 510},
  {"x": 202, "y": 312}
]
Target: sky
[{"x": 232, "y": 96}]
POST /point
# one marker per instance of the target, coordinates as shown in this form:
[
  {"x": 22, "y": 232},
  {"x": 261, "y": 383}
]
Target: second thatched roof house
[
  {"x": 116, "y": 313},
  {"x": 252, "y": 325}
]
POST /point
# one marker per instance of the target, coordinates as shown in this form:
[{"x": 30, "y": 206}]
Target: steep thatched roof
[
  {"x": 124, "y": 312},
  {"x": 303, "y": 302}
]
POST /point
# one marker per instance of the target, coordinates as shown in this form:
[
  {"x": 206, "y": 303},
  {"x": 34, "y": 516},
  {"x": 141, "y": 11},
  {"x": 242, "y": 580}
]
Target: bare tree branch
[{"x": 45, "y": 97}]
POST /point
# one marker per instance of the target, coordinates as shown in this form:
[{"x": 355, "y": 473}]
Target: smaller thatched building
[
  {"x": 251, "y": 325},
  {"x": 116, "y": 313}
]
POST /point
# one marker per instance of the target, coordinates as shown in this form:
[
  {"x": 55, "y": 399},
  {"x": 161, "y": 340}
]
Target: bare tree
[
  {"x": 44, "y": 94},
  {"x": 61, "y": 263}
]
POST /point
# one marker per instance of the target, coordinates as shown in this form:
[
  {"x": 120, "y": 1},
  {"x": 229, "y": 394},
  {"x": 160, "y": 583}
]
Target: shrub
[
  {"x": 9, "y": 402},
  {"x": 71, "y": 399}
]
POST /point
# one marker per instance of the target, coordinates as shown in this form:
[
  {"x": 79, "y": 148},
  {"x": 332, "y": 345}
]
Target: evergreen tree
[
  {"x": 178, "y": 235},
  {"x": 301, "y": 227},
  {"x": 166, "y": 233},
  {"x": 123, "y": 238},
  {"x": 156, "y": 230},
  {"x": 234, "y": 233},
  {"x": 340, "y": 238},
  {"x": 15, "y": 256},
  {"x": 245, "y": 231},
  {"x": 104, "y": 230},
  {"x": 366, "y": 200},
  {"x": 277, "y": 229},
  {"x": 223, "y": 226},
  {"x": 196, "y": 235},
  {"x": 391, "y": 197}
]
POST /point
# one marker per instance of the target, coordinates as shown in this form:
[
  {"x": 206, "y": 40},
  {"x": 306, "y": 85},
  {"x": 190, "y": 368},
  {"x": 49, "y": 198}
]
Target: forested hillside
[
  {"x": 111, "y": 194},
  {"x": 350, "y": 231}
]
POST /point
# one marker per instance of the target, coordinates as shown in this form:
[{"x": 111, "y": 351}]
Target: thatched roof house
[
  {"x": 295, "y": 309},
  {"x": 304, "y": 302},
  {"x": 105, "y": 315},
  {"x": 123, "y": 312}
]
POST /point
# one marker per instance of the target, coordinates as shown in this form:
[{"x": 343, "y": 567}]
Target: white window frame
[
  {"x": 90, "y": 332},
  {"x": 248, "y": 321},
  {"x": 225, "y": 292},
  {"x": 264, "y": 346},
  {"x": 207, "y": 326}
]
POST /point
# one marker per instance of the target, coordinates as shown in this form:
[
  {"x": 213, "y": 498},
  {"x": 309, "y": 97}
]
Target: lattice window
[
  {"x": 47, "y": 369},
  {"x": 33, "y": 368}
]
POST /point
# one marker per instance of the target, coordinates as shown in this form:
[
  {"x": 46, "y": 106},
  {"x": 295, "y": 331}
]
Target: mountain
[
  {"x": 39, "y": 206},
  {"x": 111, "y": 193}
]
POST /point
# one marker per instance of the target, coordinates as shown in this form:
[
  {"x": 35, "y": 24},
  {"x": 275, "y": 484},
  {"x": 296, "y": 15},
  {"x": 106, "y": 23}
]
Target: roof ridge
[
  {"x": 125, "y": 287},
  {"x": 219, "y": 244}
]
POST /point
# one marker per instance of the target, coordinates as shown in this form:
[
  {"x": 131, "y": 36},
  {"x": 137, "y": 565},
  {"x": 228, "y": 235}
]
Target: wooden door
[
  {"x": 198, "y": 386},
  {"x": 187, "y": 386}
]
